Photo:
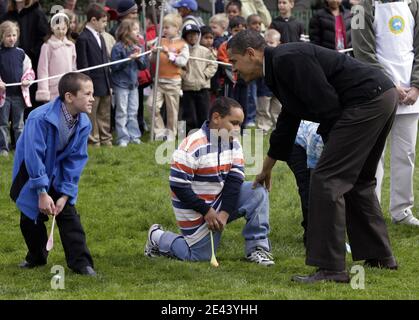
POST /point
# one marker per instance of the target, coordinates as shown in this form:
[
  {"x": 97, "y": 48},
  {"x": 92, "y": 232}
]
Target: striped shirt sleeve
[{"x": 181, "y": 176}]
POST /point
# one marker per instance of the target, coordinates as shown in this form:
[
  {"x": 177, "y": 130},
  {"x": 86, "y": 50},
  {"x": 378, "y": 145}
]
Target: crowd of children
[{"x": 185, "y": 87}]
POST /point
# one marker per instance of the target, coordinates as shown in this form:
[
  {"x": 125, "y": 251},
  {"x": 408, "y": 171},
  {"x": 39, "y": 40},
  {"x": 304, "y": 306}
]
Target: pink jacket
[
  {"x": 57, "y": 57},
  {"x": 28, "y": 74}
]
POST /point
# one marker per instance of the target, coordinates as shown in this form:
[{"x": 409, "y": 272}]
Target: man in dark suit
[
  {"x": 355, "y": 105},
  {"x": 91, "y": 51}
]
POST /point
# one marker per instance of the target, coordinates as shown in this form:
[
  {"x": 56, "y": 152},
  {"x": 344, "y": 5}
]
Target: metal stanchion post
[{"x": 156, "y": 75}]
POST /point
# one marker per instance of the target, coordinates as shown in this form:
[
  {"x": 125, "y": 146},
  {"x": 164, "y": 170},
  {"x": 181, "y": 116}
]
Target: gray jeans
[{"x": 14, "y": 106}]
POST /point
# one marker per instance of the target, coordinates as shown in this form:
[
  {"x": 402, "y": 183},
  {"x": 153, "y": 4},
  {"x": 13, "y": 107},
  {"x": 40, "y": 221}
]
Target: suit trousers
[
  {"x": 101, "y": 121},
  {"x": 297, "y": 162},
  {"x": 342, "y": 189}
]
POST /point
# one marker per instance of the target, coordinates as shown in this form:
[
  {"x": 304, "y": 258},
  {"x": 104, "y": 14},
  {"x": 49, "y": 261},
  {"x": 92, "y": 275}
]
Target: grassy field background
[{"x": 123, "y": 191}]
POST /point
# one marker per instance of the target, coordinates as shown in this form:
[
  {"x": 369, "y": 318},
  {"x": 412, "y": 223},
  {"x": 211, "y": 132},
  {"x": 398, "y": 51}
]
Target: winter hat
[
  {"x": 126, "y": 7},
  {"x": 113, "y": 14}
]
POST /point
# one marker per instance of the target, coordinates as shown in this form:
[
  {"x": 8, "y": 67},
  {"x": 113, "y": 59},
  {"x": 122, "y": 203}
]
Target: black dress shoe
[
  {"x": 29, "y": 265},
  {"x": 385, "y": 263},
  {"x": 324, "y": 275},
  {"x": 87, "y": 271}
]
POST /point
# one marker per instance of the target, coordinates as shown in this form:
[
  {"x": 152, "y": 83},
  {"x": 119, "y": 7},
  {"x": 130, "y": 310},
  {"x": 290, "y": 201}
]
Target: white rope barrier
[
  {"x": 346, "y": 50},
  {"x": 212, "y": 61},
  {"x": 127, "y": 59},
  {"x": 81, "y": 70},
  {"x": 110, "y": 64}
]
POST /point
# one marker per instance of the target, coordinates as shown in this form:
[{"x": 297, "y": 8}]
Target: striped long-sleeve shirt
[{"x": 205, "y": 172}]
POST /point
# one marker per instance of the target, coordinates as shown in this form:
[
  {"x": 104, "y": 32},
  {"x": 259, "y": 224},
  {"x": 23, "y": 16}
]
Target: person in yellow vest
[
  {"x": 173, "y": 57},
  {"x": 389, "y": 40}
]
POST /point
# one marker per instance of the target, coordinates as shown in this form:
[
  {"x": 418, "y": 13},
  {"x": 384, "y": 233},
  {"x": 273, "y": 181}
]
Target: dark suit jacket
[
  {"x": 314, "y": 83},
  {"x": 90, "y": 54}
]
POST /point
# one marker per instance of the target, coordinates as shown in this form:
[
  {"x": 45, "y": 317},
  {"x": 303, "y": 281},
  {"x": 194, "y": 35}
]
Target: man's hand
[
  {"x": 46, "y": 204},
  {"x": 213, "y": 220},
  {"x": 222, "y": 218},
  {"x": 402, "y": 93},
  {"x": 59, "y": 206},
  {"x": 264, "y": 178},
  {"x": 411, "y": 96}
]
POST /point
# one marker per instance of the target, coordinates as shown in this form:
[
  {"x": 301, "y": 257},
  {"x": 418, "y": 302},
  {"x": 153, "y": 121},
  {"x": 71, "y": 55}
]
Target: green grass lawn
[{"x": 124, "y": 191}]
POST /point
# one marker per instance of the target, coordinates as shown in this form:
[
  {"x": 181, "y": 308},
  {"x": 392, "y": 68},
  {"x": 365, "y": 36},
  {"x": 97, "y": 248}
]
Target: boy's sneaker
[
  {"x": 409, "y": 220},
  {"x": 151, "y": 248},
  {"x": 4, "y": 153},
  {"x": 261, "y": 256},
  {"x": 122, "y": 144},
  {"x": 136, "y": 141}
]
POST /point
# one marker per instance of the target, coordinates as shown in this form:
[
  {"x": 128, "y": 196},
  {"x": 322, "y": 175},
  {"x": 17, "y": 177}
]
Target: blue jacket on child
[
  {"x": 38, "y": 163},
  {"x": 125, "y": 74}
]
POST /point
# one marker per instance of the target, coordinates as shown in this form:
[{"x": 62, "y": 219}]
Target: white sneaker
[
  {"x": 4, "y": 153},
  {"x": 136, "y": 141},
  {"x": 151, "y": 248},
  {"x": 409, "y": 220},
  {"x": 159, "y": 137},
  {"x": 123, "y": 144},
  {"x": 261, "y": 256}
]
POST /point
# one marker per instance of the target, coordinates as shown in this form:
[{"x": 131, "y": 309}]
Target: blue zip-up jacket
[
  {"x": 38, "y": 163},
  {"x": 125, "y": 74}
]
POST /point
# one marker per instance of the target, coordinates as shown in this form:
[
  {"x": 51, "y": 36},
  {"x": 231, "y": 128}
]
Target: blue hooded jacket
[{"x": 38, "y": 163}]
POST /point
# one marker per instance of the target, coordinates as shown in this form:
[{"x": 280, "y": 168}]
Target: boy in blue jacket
[{"x": 50, "y": 156}]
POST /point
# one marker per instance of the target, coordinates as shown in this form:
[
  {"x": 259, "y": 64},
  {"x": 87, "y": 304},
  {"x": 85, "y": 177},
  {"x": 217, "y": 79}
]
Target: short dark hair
[
  {"x": 246, "y": 39},
  {"x": 95, "y": 11},
  {"x": 250, "y": 17},
  {"x": 237, "y": 21},
  {"x": 206, "y": 30},
  {"x": 223, "y": 106},
  {"x": 236, "y": 3},
  {"x": 71, "y": 82}
]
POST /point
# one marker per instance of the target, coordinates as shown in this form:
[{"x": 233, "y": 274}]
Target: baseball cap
[{"x": 190, "y": 4}]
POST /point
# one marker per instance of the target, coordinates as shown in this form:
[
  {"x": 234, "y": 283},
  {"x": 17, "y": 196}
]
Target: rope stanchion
[{"x": 157, "y": 72}]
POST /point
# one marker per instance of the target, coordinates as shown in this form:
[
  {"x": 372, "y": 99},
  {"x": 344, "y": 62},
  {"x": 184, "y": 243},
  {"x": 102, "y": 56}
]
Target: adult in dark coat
[
  {"x": 34, "y": 26},
  {"x": 355, "y": 105},
  {"x": 324, "y": 23},
  {"x": 3, "y": 7}
]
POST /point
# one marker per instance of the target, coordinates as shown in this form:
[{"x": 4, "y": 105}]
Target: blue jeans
[
  {"x": 251, "y": 102},
  {"x": 253, "y": 205},
  {"x": 14, "y": 105},
  {"x": 126, "y": 123}
]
